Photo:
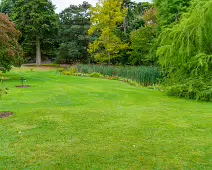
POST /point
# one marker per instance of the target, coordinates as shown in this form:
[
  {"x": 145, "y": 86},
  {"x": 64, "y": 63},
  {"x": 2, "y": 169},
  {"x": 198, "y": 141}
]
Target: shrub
[
  {"x": 68, "y": 71},
  {"x": 96, "y": 75},
  {"x": 193, "y": 89},
  {"x": 61, "y": 70}
]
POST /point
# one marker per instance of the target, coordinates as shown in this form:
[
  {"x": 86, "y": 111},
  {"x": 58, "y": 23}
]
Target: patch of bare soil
[
  {"x": 22, "y": 86},
  {"x": 41, "y": 68},
  {"x": 5, "y": 114}
]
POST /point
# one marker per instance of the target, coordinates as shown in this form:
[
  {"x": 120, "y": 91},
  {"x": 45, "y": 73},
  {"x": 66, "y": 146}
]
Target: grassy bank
[{"x": 69, "y": 122}]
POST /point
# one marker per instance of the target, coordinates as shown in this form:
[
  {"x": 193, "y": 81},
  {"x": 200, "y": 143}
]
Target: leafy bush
[
  {"x": 96, "y": 75},
  {"x": 68, "y": 71},
  {"x": 193, "y": 89},
  {"x": 61, "y": 70}
]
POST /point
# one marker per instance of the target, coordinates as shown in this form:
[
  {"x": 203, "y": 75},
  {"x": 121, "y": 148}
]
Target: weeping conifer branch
[
  {"x": 185, "y": 53},
  {"x": 188, "y": 41}
]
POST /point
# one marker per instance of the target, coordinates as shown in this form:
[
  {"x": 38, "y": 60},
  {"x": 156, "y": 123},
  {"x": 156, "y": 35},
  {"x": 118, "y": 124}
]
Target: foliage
[
  {"x": 105, "y": 18},
  {"x": 10, "y": 51},
  {"x": 3, "y": 89},
  {"x": 142, "y": 75},
  {"x": 142, "y": 40},
  {"x": 185, "y": 52},
  {"x": 132, "y": 22},
  {"x": 73, "y": 33},
  {"x": 170, "y": 11},
  {"x": 192, "y": 89},
  {"x": 6, "y": 6},
  {"x": 96, "y": 75},
  {"x": 38, "y": 23},
  {"x": 68, "y": 71}
]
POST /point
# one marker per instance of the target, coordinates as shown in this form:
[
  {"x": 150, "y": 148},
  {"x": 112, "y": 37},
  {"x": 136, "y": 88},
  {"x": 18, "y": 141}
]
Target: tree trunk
[
  {"x": 108, "y": 56},
  {"x": 38, "y": 52},
  {"x": 89, "y": 59},
  {"x": 125, "y": 25}
]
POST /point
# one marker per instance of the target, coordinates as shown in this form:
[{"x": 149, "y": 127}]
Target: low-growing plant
[
  {"x": 112, "y": 78},
  {"x": 78, "y": 74},
  {"x": 66, "y": 73},
  {"x": 193, "y": 89},
  {"x": 61, "y": 70},
  {"x": 72, "y": 70},
  {"x": 96, "y": 75}
]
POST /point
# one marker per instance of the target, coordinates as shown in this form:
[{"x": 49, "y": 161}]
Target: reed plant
[{"x": 144, "y": 75}]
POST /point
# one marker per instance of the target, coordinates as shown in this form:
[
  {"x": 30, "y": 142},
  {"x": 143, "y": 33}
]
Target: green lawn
[{"x": 65, "y": 122}]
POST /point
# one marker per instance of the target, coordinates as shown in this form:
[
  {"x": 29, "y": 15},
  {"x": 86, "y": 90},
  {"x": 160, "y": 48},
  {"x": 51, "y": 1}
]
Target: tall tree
[
  {"x": 132, "y": 22},
  {"x": 73, "y": 33},
  {"x": 105, "y": 18},
  {"x": 35, "y": 19},
  {"x": 10, "y": 51},
  {"x": 143, "y": 39}
]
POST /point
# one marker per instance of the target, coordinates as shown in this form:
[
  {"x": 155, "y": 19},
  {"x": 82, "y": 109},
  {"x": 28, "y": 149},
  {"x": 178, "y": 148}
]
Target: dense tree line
[
  {"x": 174, "y": 35},
  {"x": 72, "y": 36}
]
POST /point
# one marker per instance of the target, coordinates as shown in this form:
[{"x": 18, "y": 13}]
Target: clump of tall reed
[{"x": 143, "y": 75}]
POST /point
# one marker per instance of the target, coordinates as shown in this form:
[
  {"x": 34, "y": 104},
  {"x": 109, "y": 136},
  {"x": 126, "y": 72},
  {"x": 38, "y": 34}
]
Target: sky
[{"x": 62, "y": 4}]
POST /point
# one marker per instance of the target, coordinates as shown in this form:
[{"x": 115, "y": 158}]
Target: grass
[{"x": 65, "y": 122}]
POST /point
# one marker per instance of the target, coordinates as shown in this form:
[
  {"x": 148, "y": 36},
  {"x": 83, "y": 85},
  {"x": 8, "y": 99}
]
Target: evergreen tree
[{"x": 73, "y": 33}]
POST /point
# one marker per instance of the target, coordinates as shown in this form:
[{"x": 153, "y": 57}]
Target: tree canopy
[
  {"x": 10, "y": 51},
  {"x": 73, "y": 33},
  {"x": 35, "y": 19},
  {"x": 105, "y": 18},
  {"x": 170, "y": 11}
]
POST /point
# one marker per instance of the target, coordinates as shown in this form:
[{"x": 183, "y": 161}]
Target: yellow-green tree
[{"x": 105, "y": 18}]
